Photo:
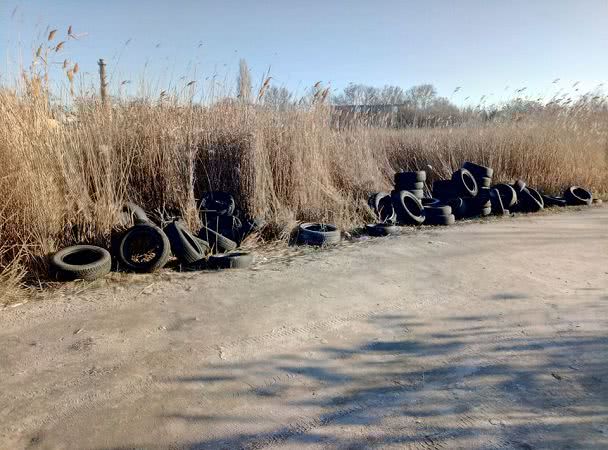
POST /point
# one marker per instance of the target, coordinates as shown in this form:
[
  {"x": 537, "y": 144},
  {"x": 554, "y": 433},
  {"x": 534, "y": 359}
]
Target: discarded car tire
[
  {"x": 437, "y": 210},
  {"x": 529, "y": 200},
  {"x": 459, "y": 207},
  {"x": 81, "y": 262},
  {"x": 144, "y": 248},
  {"x": 408, "y": 207},
  {"x": 134, "y": 214},
  {"x": 382, "y": 205},
  {"x": 221, "y": 203},
  {"x": 184, "y": 245},
  {"x": 496, "y": 202},
  {"x": 419, "y": 185},
  {"x": 232, "y": 260},
  {"x": 477, "y": 170},
  {"x": 519, "y": 186},
  {"x": 217, "y": 241},
  {"x": 444, "y": 189},
  {"x": 318, "y": 234},
  {"x": 484, "y": 182},
  {"x": 576, "y": 195},
  {"x": 554, "y": 201},
  {"x": 429, "y": 201},
  {"x": 381, "y": 229},
  {"x": 507, "y": 194},
  {"x": 464, "y": 183},
  {"x": 409, "y": 177},
  {"x": 418, "y": 193},
  {"x": 440, "y": 220}
]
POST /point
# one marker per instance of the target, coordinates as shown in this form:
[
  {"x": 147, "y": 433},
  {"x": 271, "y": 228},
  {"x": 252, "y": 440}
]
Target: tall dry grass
[{"x": 63, "y": 181}]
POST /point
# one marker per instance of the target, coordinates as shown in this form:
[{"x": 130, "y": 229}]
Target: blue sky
[{"x": 488, "y": 47}]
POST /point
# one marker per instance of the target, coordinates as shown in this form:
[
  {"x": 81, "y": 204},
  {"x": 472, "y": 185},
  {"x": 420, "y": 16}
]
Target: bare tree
[
  {"x": 278, "y": 98},
  {"x": 421, "y": 96},
  {"x": 244, "y": 82}
]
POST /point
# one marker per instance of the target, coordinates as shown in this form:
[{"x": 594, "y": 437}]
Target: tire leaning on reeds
[{"x": 144, "y": 248}]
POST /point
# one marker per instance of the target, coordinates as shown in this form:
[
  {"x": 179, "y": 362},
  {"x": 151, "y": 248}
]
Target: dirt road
[{"x": 477, "y": 336}]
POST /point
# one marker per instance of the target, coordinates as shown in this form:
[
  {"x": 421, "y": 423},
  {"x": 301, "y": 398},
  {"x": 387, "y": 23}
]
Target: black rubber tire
[
  {"x": 381, "y": 229},
  {"x": 507, "y": 194},
  {"x": 382, "y": 205},
  {"x": 554, "y": 201},
  {"x": 529, "y": 200},
  {"x": 221, "y": 203},
  {"x": 484, "y": 182},
  {"x": 159, "y": 245},
  {"x": 232, "y": 260},
  {"x": 464, "y": 183},
  {"x": 519, "y": 186},
  {"x": 459, "y": 207},
  {"x": 374, "y": 199},
  {"x": 477, "y": 170},
  {"x": 409, "y": 186},
  {"x": 409, "y": 177},
  {"x": 134, "y": 214},
  {"x": 184, "y": 244},
  {"x": 408, "y": 207},
  {"x": 430, "y": 201},
  {"x": 218, "y": 242},
  {"x": 318, "y": 234},
  {"x": 438, "y": 210},
  {"x": 576, "y": 195},
  {"x": 81, "y": 262},
  {"x": 418, "y": 193},
  {"x": 444, "y": 189},
  {"x": 440, "y": 220},
  {"x": 496, "y": 202}
]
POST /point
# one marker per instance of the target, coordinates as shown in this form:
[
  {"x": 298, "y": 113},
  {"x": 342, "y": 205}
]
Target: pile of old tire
[
  {"x": 466, "y": 193},
  {"x": 412, "y": 182},
  {"x": 437, "y": 213},
  {"x": 528, "y": 199}
]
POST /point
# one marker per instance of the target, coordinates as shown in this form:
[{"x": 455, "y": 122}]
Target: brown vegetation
[{"x": 64, "y": 178}]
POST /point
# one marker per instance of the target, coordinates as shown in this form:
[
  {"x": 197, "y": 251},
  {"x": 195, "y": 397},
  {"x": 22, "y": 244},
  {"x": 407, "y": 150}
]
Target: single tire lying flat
[
  {"x": 507, "y": 194},
  {"x": 484, "y": 182},
  {"x": 440, "y": 220},
  {"x": 232, "y": 260},
  {"x": 576, "y": 195},
  {"x": 81, "y": 262},
  {"x": 418, "y": 185},
  {"x": 318, "y": 234},
  {"x": 464, "y": 183},
  {"x": 409, "y": 177},
  {"x": 430, "y": 201},
  {"x": 438, "y": 210},
  {"x": 184, "y": 244},
  {"x": 477, "y": 170},
  {"x": 144, "y": 248},
  {"x": 381, "y": 229},
  {"x": 408, "y": 207},
  {"x": 217, "y": 241},
  {"x": 554, "y": 201}
]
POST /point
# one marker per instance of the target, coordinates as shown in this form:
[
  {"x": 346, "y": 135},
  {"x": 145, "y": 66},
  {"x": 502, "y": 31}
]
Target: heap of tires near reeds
[{"x": 147, "y": 246}]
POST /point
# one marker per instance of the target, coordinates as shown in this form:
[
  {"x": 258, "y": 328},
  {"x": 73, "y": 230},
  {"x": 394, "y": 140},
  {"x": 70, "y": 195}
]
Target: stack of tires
[
  {"x": 437, "y": 213},
  {"x": 466, "y": 193},
  {"x": 412, "y": 182}
]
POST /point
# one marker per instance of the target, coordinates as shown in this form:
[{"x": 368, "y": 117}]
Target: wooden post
[{"x": 103, "y": 84}]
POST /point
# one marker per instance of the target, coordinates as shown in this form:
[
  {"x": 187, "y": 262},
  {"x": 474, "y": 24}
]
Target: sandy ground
[{"x": 483, "y": 335}]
